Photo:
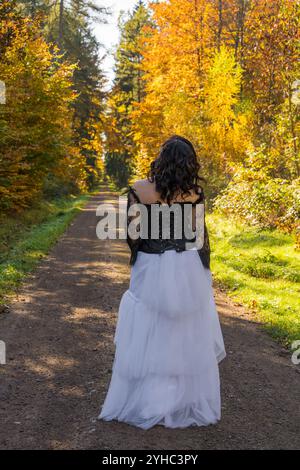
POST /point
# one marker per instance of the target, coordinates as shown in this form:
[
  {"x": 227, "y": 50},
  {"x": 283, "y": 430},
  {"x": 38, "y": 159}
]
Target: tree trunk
[
  {"x": 61, "y": 24},
  {"x": 220, "y": 23}
]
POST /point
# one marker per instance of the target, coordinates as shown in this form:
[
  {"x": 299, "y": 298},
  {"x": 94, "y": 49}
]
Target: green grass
[
  {"x": 260, "y": 269},
  {"x": 114, "y": 187},
  {"x": 25, "y": 238}
]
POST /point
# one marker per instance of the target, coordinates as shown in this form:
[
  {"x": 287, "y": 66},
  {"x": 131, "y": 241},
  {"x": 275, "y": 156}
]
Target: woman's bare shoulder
[
  {"x": 145, "y": 190},
  {"x": 143, "y": 183},
  {"x": 147, "y": 193}
]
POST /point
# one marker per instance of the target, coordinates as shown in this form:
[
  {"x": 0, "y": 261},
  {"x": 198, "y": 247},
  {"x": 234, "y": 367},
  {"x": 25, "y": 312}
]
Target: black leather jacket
[{"x": 160, "y": 245}]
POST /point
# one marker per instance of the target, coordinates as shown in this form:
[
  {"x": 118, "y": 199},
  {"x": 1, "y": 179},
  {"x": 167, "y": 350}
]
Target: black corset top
[{"x": 167, "y": 236}]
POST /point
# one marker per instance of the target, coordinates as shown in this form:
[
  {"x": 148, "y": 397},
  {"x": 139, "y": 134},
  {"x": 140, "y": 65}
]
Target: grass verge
[
  {"x": 261, "y": 270},
  {"x": 28, "y": 237}
]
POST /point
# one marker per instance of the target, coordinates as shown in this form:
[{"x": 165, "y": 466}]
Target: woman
[{"x": 168, "y": 337}]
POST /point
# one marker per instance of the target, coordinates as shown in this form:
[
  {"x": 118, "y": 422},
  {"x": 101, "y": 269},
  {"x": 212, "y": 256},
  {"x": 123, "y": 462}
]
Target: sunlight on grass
[{"x": 260, "y": 269}]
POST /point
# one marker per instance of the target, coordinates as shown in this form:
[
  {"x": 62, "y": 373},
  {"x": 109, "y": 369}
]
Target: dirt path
[{"x": 59, "y": 337}]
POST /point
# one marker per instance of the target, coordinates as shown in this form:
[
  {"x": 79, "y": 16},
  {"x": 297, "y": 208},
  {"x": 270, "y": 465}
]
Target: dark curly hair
[{"x": 176, "y": 169}]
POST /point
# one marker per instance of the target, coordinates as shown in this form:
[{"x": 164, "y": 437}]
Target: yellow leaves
[
  {"x": 37, "y": 118},
  {"x": 223, "y": 84},
  {"x": 121, "y": 109},
  {"x": 192, "y": 89}
]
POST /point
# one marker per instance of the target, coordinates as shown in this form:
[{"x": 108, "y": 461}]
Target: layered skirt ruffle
[{"x": 168, "y": 345}]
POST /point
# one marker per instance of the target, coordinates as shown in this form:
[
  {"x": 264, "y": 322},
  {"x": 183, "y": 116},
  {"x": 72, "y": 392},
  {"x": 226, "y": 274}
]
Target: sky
[{"x": 108, "y": 34}]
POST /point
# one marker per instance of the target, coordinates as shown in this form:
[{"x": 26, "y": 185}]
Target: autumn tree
[
  {"x": 191, "y": 73},
  {"x": 271, "y": 53},
  {"x": 68, "y": 24},
  {"x": 36, "y": 137}
]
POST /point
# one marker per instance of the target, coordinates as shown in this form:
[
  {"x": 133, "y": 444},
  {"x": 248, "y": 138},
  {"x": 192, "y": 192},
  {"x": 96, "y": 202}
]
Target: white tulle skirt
[{"x": 168, "y": 345}]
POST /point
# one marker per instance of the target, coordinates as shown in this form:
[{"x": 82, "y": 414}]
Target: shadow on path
[{"x": 59, "y": 337}]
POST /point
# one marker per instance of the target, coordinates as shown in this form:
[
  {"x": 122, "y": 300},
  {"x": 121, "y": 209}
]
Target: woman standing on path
[{"x": 168, "y": 337}]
